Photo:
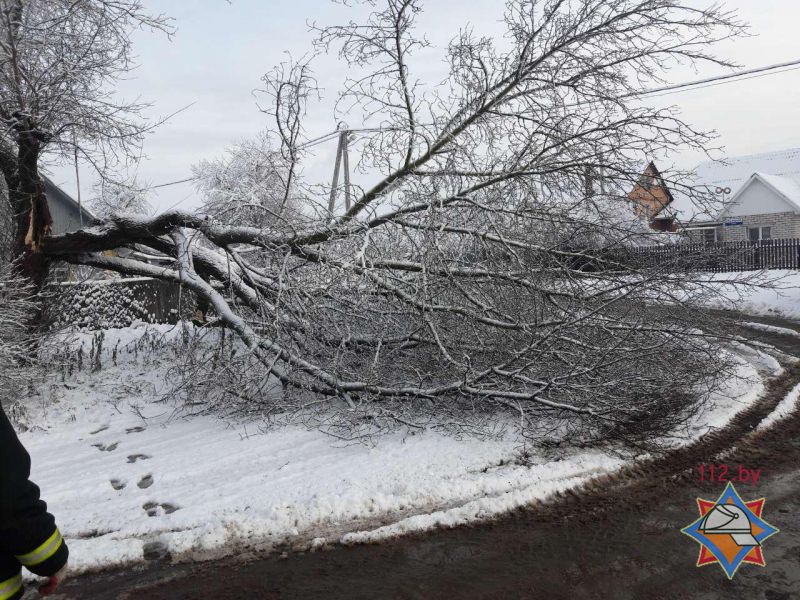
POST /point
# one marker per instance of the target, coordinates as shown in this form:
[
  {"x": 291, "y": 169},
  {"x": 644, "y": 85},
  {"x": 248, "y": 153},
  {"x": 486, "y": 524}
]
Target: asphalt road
[{"x": 620, "y": 539}]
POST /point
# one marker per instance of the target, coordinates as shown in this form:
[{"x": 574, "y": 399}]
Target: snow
[
  {"x": 783, "y": 410},
  {"x": 776, "y": 293},
  {"x": 735, "y": 395},
  {"x": 756, "y": 358},
  {"x": 202, "y": 487},
  {"x": 772, "y": 329},
  {"x": 735, "y": 171},
  {"x": 739, "y": 392},
  {"x": 582, "y": 467},
  {"x": 699, "y": 205}
]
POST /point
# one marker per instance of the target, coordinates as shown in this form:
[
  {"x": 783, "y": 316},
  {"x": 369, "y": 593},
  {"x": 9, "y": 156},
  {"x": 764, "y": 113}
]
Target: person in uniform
[{"x": 28, "y": 534}]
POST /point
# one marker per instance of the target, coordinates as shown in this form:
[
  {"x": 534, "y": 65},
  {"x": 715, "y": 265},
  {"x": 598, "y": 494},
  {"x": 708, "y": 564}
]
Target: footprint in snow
[
  {"x": 157, "y": 551},
  {"x": 100, "y": 430},
  {"x": 137, "y": 429},
  {"x": 145, "y": 482},
  {"x": 104, "y": 448},
  {"x": 134, "y": 457},
  {"x": 117, "y": 484},
  {"x": 153, "y": 509}
]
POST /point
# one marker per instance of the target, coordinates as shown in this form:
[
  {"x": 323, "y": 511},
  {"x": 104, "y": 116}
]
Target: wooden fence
[{"x": 722, "y": 257}]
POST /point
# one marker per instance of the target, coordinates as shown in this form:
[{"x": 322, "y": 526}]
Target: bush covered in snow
[{"x": 18, "y": 308}]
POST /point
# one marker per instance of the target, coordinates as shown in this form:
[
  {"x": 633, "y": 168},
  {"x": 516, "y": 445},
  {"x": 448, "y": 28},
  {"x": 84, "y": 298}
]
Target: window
[
  {"x": 757, "y": 234},
  {"x": 709, "y": 236}
]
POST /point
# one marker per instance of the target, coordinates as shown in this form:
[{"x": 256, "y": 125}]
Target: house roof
[
  {"x": 651, "y": 171},
  {"x": 734, "y": 172},
  {"x": 55, "y": 194},
  {"x": 686, "y": 207},
  {"x": 787, "y": 188},
  {"x": 779, "y": 170}
]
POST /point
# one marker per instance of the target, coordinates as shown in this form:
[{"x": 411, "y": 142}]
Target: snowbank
[
  {"x": 776, "y": 293},
  {"x": 123, "y": 473},
  {"x": 772, "y": 329},
  {"x": 786, "y": 407},
  {"x": 736, "y": 394}
]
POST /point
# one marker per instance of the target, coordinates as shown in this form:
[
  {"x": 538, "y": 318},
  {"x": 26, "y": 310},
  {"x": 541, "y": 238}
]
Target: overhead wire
[
  {"x": 743, "y": 75},
  {"x": 728, "y": 78}
]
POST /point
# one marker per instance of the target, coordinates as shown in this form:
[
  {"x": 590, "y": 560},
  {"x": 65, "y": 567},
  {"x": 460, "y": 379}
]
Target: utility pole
[{"x": 342, "y": 161}]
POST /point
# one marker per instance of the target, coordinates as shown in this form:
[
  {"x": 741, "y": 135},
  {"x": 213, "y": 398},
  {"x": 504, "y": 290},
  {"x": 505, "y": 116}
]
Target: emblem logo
[{"x": 730, "y": 531}]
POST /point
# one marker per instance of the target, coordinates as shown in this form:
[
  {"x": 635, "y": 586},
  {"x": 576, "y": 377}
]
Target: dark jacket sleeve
[{"x": 27, "y": 531}]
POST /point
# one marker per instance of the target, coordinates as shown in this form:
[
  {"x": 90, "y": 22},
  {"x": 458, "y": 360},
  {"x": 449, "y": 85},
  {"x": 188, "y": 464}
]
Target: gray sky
[{"x": 221, "y": 50}]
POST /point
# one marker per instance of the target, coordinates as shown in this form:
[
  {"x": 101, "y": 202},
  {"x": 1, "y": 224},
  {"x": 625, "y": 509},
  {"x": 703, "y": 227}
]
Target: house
[
  {"x": 65, "y": 211},
  {"x": 755, "y": 198},
  {"x": 67, "y": 215},
  {"x": 650, "y": 196}
]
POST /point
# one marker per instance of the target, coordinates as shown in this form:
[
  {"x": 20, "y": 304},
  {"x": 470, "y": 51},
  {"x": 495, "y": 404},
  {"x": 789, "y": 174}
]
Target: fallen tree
[{"x": 449, "y": 287}]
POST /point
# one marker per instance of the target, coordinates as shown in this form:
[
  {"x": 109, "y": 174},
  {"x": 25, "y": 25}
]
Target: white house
[
  {"x": 748, "y": 198},
  {"x": 765, "y": 207}
]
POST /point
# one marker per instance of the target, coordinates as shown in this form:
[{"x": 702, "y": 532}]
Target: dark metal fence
[{"x": 722, "y": 257}]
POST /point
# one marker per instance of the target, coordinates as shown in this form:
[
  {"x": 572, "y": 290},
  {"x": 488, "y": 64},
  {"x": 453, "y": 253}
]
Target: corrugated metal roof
[{"x": 55, "y": 193}]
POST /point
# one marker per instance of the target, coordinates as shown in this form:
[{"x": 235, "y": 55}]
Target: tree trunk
[{"x": 32, "y": 219}]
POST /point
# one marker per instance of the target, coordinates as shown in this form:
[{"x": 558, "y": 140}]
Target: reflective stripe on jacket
[{"x": 11, "y": 588}]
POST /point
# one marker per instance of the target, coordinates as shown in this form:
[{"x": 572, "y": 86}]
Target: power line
[
  {"x": 754, "y": 73},
  {"x": 698, "y": 84},
  {"x": 169, "y": 183},
  {"x": 763, "y": 71},
  {"x": 715, "y": 84},
  {"x": 335, "y": 133},
  {"x": 181, "y": 201},
  {"x": 318, "y": 140}
]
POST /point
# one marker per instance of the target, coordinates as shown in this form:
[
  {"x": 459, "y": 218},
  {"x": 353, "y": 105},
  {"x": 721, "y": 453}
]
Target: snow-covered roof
[
  {"x": 734, "y": 172},
  {"x": 702, "y": 205},
  {"x": 779, "y": 170},
  {"x": 787, "y": 187}
]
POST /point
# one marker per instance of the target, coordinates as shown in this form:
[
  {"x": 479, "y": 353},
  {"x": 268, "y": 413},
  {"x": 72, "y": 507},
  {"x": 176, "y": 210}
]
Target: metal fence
[{"x": 722, "y": 257}]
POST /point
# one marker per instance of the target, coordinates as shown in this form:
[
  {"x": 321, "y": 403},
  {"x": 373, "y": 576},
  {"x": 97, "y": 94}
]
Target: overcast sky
[{"x": 220, "y": 51}]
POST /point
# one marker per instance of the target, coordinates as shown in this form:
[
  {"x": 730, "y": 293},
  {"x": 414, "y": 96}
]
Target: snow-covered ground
[
  {"x": 784, "y": 409},
  {"x": 125, "y": 473},
  {"x": 775, "y": 293},
  {"x": 772, "y": 329}
]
